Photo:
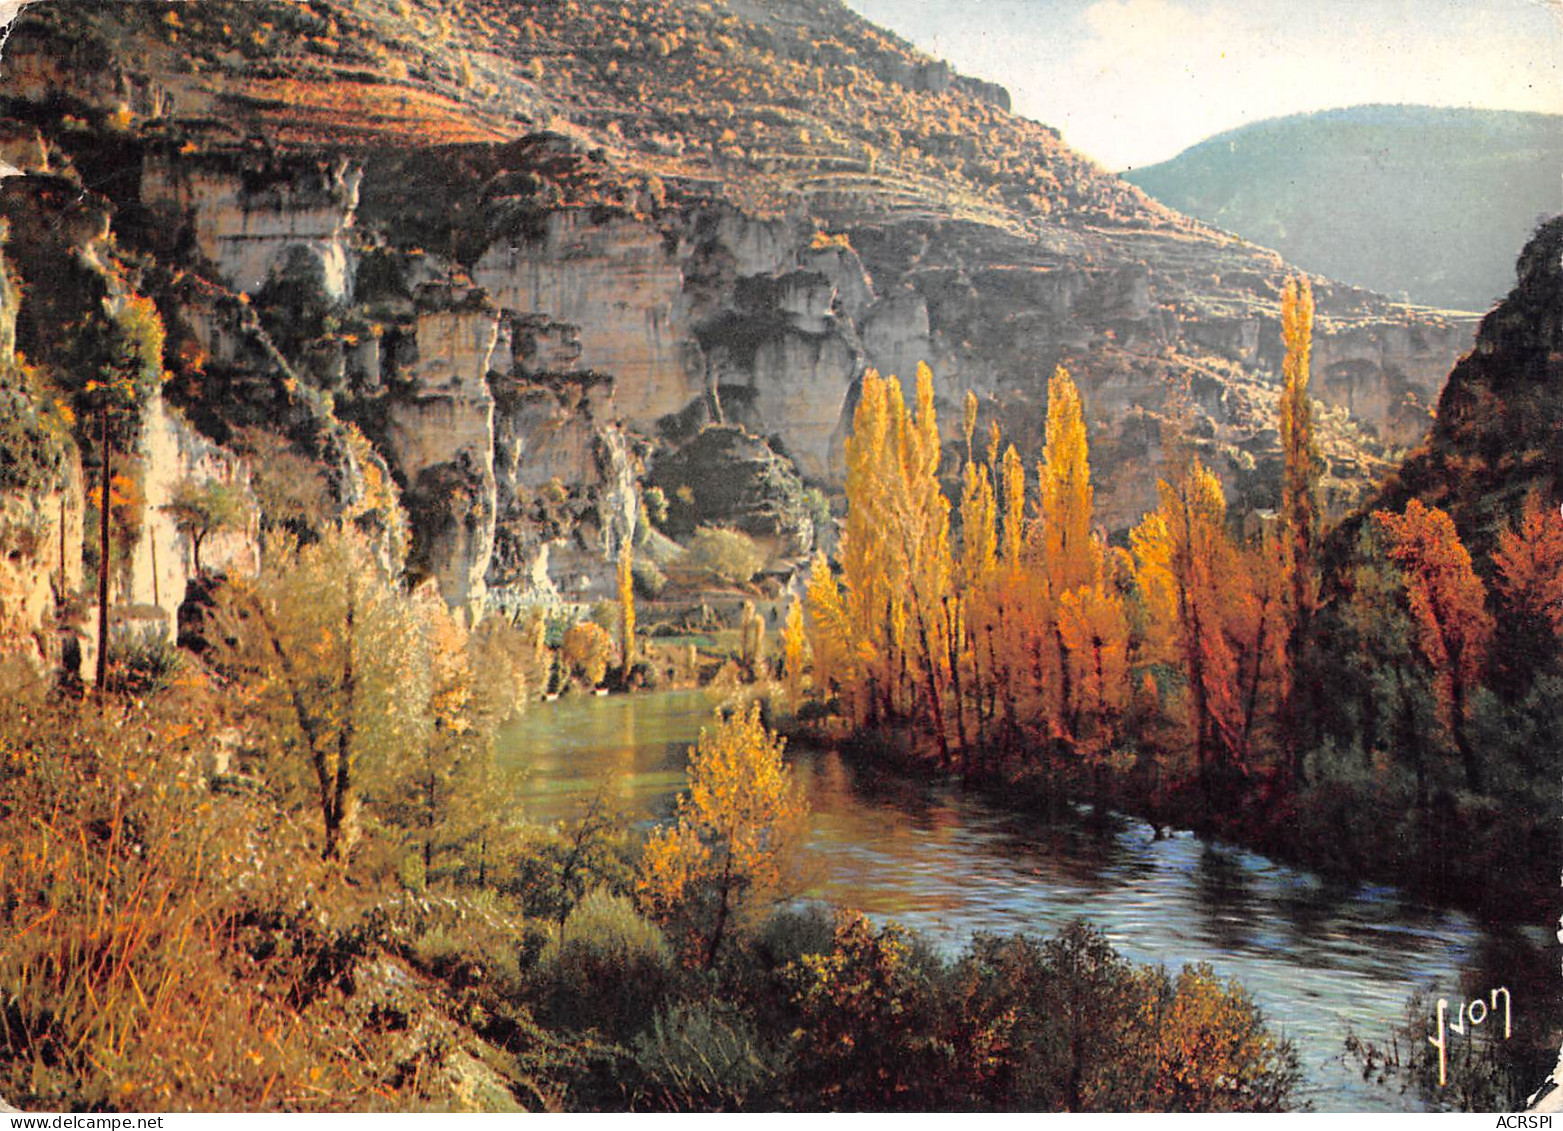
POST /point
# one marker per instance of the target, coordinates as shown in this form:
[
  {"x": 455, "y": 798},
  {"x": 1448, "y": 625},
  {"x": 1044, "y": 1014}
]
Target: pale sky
[{"x": 1133, "y": 82}]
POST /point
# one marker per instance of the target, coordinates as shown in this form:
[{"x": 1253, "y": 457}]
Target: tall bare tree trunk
[
  {"x": 101, "y": 681},
  {"x": 62, "y": 545},
  {"x": 342, "y": 804}
]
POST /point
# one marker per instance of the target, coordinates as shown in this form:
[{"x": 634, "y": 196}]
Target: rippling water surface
[{"x": 1317, "y": 956}]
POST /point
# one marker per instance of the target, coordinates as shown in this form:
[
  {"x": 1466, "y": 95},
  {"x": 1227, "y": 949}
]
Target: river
[{"x": 1316, "y": 955}]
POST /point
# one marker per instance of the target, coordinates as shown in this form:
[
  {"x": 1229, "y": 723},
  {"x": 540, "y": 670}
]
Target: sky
[{"x": 1133, "y": 82}]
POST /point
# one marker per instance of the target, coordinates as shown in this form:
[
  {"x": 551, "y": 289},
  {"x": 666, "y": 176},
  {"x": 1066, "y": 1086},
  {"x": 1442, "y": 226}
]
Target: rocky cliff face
[
  {"x": 40, "y": 502},
  {"x": 35, "y": 527},
  {"x": 252, "y": 223},
  {"x": 617, "y": 282},
  {"x": 155, "y": 571},
  {"x": 44, "y": 493},
  {"x": 502, "y": 338},
  {"x": 1498, "y": 435},
  {"x": 440, "y": 438},
  {"x": 728, "y": 477}
]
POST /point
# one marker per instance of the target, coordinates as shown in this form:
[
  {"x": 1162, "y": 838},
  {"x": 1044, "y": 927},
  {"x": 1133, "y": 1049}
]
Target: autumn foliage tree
[
  {"x": 1070, "y": 556},
  {"x": 1528, "y": 565},
  {"x": 1183, "y": 559},
  {"x": 327, "y": 647},
  {"x": 1071, "y": 563},
  {"x": 438, "y": 793},
  {"x": 974, "y": 601},
  {"x": 1299, "y": 492},
  {"x": 735, "y": 840},
  {"x": 626, "y": 584},
  {"x": 886, "y": 633},
  {"x": 1199, "y": 654},
  {"x": 794, "y": 644},
  {"x": 586, "y": 648},
  {"x": 1449, "y": 609},
  {"x": 1192, "y": 656}
]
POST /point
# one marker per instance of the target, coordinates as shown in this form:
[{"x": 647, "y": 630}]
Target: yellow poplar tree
[
  {"x": 736, "y": 838},
  {"x": 979, "y": 537},
  {"x": 866, "y": 568},
  {"x": 793, "y": 644},
  {"x": 830, "y": 631},
  {"x": 1012, "y": 656},
  {"x": 1069, "y": 553},
  {"x": 1183, "y": 557},
  {"x": 1095, "y": 634},
  {"x": 979, "y": 575},
  {"x": 969, "y": 421},
  {"x": 1012, "y": 481},
  {"x": 627, "y": 607},
  {"x": 1070, "y": 559},
  {"x": 1299, "y": 493},
  {"x": 925, "y": 537}
]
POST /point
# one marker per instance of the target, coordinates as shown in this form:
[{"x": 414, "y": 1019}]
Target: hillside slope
[
  {"x": 1425, "y": 203},
  {"x": 487, "y": 263},
  {"x": 1498, "y": 436}
]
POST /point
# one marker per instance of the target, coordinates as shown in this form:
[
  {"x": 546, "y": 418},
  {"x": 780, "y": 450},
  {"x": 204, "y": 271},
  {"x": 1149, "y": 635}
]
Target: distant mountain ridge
[{"x": 1427, "y": 203}]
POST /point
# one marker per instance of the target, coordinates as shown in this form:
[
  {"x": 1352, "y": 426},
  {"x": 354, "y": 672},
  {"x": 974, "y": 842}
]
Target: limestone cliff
[
  {"x": 253, "y": 223},
  {"x": 727, "y": 477},
  {"x": 496, "y": 290},
  {"x": 440, "y": 438},
  {"x": 159, "y": 566},
  {"x": 69, "y": 303},
  {"x": 40, "y": 504}
]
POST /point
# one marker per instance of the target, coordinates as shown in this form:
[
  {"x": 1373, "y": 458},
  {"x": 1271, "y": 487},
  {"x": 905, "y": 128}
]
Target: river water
[{"x": 1317, "y": 956}]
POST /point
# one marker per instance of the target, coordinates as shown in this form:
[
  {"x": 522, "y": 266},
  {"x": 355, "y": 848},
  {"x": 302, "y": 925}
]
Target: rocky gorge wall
[
  {"x": 48, "y": 606},
  {"x": 517, "y": 387},
  {"x": 159, "y": 567},
  {"x": 585, "y": 326}
]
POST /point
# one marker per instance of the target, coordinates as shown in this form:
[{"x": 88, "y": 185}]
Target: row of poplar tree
[{"x": 1036, "y": 641}]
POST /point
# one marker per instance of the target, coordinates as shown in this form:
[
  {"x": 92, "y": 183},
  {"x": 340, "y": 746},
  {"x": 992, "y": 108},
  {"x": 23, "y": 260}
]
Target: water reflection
[
  {"x": 1317, "y": 956},
  {"x": 1225, "y": 900}
]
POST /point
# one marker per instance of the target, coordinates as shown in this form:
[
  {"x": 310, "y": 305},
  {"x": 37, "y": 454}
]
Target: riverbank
[
  {"x": 1455, "y": 851},
  {"x": 1322, "y": 957},
  {"x": 1458, "y": 852},
  {"x": 151, "y": 906}
]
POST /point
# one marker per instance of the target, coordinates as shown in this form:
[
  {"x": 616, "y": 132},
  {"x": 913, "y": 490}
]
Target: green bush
[
  {"x": 818, "y": 506},
  {"x": 791, "y": 933},
  {"x": 868, "y": 1035},
  {"x": 1020, "y": 1024},
  {"x": 34, "y": 444},
  {"x": 556, "y": 867},
  {"x": 728, "y": 556},
  {"x": 1082, "y": 1029},
  {"x": 655, "y": 500},
  {"x": 702, "y": 1056},
  {"x": 608, "y": 969},
  {"x": 144, "y": 662},
  {"x": 649, "y": 579}
]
